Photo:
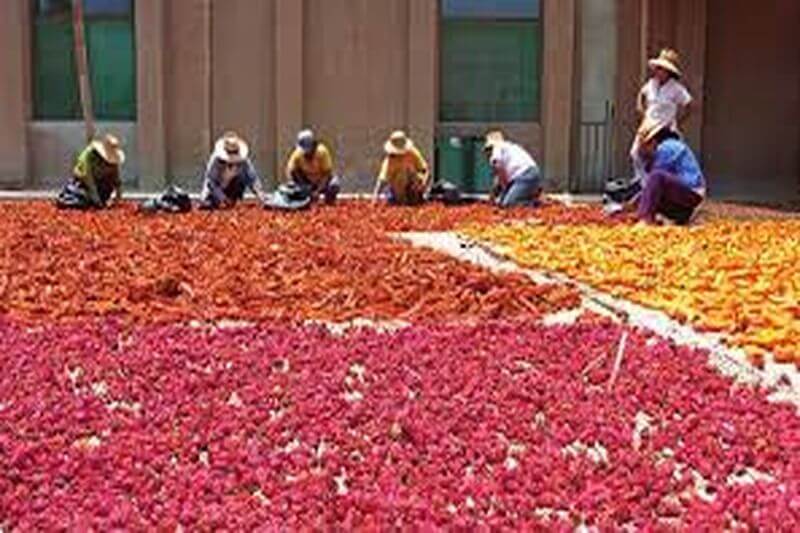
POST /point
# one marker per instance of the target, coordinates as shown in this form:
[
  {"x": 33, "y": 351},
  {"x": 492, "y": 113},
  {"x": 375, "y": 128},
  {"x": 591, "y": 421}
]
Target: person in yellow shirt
[
  {"x": 404, "y": 172},
  {"x": 96, "y": 176},
  {"x": 310, "y": 168}
]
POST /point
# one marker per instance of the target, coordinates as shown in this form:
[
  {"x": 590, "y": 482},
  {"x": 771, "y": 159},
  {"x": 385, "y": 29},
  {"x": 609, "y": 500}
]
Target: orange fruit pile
[{"x": 738, "y": 278}]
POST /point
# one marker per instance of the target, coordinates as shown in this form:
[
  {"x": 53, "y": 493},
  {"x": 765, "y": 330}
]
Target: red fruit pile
[
  {"x": 247, "y": 264},
  {"x": 499, "y": 425}
]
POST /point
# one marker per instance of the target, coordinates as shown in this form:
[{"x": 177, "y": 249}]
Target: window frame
[
  {"x": 515, "y": 18},
  {"x": 65, "y": 17},
  {"x": 443, "y": 19}
]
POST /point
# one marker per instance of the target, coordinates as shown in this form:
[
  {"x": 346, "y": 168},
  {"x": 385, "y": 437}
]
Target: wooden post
[{"x": 82, "y": 66}]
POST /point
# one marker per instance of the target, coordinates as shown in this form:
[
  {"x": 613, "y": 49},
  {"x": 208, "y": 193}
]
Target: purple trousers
[{"x": 664, "y": 194}]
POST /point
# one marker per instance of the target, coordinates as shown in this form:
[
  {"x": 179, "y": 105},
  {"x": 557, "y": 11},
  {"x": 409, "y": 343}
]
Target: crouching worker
[
  {"x": 229, "y": 173},
  {"x": 517, "y": 178},
  {"x": 674, "y": 186},
  {"x": 310, "y": 168},
  {"x": 404, "y": 172},
  {"x": 95, "y": 177}
]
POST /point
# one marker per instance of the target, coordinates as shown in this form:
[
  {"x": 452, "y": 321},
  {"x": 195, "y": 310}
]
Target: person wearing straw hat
[
  {"x": 310, "y": 168},
  {"x": 229, "y": 173},
  {"x": 96, "y": 175},
  {"x": 675, "y": 186},
  {"x": 663, "y": 90},
  {"x": 516, "y": 174},
  {"x": 404, "y": 172}
]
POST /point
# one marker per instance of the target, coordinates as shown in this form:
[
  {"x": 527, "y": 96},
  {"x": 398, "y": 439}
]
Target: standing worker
[
  {"x": 404, "y": 172},
  {"x": 663, "y": 93},
  {"x": 229, "y": 173},
  {"x": 310, "y": 168},
  {"x": 517, "y": 178},
  {"x": 95, "y": 177}
]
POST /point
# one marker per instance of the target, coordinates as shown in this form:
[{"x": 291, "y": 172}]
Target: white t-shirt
[
  {"x": 511, "y": 160},
  {"x": 672, "y": 95}
]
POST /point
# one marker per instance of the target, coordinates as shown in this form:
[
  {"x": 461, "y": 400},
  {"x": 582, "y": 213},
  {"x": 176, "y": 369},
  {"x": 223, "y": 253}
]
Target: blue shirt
[
  {"x": 675, "y": 157},
  {"x": 212, "y": 180}
]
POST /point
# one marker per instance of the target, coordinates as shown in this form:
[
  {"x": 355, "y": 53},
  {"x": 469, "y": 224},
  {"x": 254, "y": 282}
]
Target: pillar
[
  {"x": 151, "y": 96},
  {"x": 423, "y": 24},
  {"x": 13, "y": 93},
  {"x": 288, "y": 73},
  {"x": 560, "y": 90}
]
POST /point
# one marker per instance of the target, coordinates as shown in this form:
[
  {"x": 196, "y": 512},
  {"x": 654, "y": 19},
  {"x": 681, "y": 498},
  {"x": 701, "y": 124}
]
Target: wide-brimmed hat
[
  {"x": 398, "y": 143},
  {"x": 306, "y": 140},
  {"x": 493, "y": 138},
  {"x": 110, "y": 149},
  {"x": 231, "y": 148},
  {"x": 651, "y": 125},
  {"x": 669, "y": 60}
]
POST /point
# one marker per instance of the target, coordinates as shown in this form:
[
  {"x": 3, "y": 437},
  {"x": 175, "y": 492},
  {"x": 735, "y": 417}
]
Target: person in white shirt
[
  {"x": 517, "y": 178},
  {"x": 662, "y": 94}
]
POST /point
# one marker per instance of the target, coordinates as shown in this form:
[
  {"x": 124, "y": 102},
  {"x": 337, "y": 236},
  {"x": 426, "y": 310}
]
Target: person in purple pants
[{"x": 675, "y": 186}]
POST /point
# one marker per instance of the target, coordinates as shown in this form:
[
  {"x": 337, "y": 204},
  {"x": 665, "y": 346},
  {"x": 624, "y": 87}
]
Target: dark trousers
[
  {"x": 329, "y": 190},
  {"x": 664, "y": 194},
  {"x": 233, "y": 191}
]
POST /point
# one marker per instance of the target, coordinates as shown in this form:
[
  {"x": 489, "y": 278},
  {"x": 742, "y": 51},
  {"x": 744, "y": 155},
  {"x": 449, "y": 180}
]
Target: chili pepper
[
  {"x": 247, "y": 264},
  {"x": 740, "y": 278}
]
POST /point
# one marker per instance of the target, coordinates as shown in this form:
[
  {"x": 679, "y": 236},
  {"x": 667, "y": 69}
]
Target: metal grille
[{"x": 595, "y": 160}]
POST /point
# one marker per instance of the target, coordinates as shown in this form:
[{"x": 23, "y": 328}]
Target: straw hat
[
  {"x": 398, "y": 143},
  {"x": 230, "y": 148},
  {"x": 651, "y": 125},
  {"x": 110, "y": 149},
  {"x": 669, "y": 60},
  {"x": 493, "y": 138}
]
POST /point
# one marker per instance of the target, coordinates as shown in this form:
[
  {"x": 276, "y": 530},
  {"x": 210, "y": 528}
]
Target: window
[
  {"x": 490, "y": 60},
  {"x": 109, "y": 27}
]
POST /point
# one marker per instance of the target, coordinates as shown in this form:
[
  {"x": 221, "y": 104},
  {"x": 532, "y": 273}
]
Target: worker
[
  {"x": 96, "y": 176},
  {"x": 404, "y": 172},
  {"x": 664, "y": 92},
  {"x": 310, "y": 168},
  {"x": 674, "y": 186},
  {"x": 229, "y": 173},
  {"x": 517, "y": 180}
]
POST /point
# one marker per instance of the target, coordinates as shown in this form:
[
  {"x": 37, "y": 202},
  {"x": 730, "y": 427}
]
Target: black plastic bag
[
  {"x": 288, "y": 197},
  {"x": 172, "y": 200},
  {"x": 73, "y": 196}
]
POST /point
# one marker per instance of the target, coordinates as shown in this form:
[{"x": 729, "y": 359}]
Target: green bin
[{"x": 460, "y": 161}]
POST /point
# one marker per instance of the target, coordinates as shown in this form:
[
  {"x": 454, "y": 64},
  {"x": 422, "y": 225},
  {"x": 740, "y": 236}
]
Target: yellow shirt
[
  {"x": 317, "y": 169},
  {"x": 397, "y": 171}
]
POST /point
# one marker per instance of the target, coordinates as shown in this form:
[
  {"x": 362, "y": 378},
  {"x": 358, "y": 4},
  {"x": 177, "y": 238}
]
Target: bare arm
[
  {"x": 683, "y": 114},
  {"x": 641, "y": 106},
  {"x": 255, "y": 180},
  {"x": 381, "y": 181}
]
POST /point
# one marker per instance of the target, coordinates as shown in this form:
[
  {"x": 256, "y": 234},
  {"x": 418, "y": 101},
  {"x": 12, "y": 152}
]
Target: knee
[
  {"x": 656, "y": 179},
  {"x": 334, "y": 184}
]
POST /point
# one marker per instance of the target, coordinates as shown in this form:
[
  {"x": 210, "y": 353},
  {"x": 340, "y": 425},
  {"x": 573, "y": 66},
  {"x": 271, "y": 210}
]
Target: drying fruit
[
  {"x": 738, "y": 278},
  {"x": 336, "y": 264},
  {"x": 431, "y": 427}
]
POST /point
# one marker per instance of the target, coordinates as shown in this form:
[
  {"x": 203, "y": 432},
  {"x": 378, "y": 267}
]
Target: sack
[
  {"x": 445, "y": 192},
  {"x": 288, "y": 197},
  {"x": 73, "y": 196},
  {"x": 172, "y": 200},
  {"x": 621, "y": 192}
]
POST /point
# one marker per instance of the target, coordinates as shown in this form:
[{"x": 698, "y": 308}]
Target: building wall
[
  {"x": 355, "y": 78},
  {"x": 356, "y": 69},
  {"x": 13, "y": 95},
  {"x": 751, "y": 137},
  {"x": 353, "y": 69}
]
